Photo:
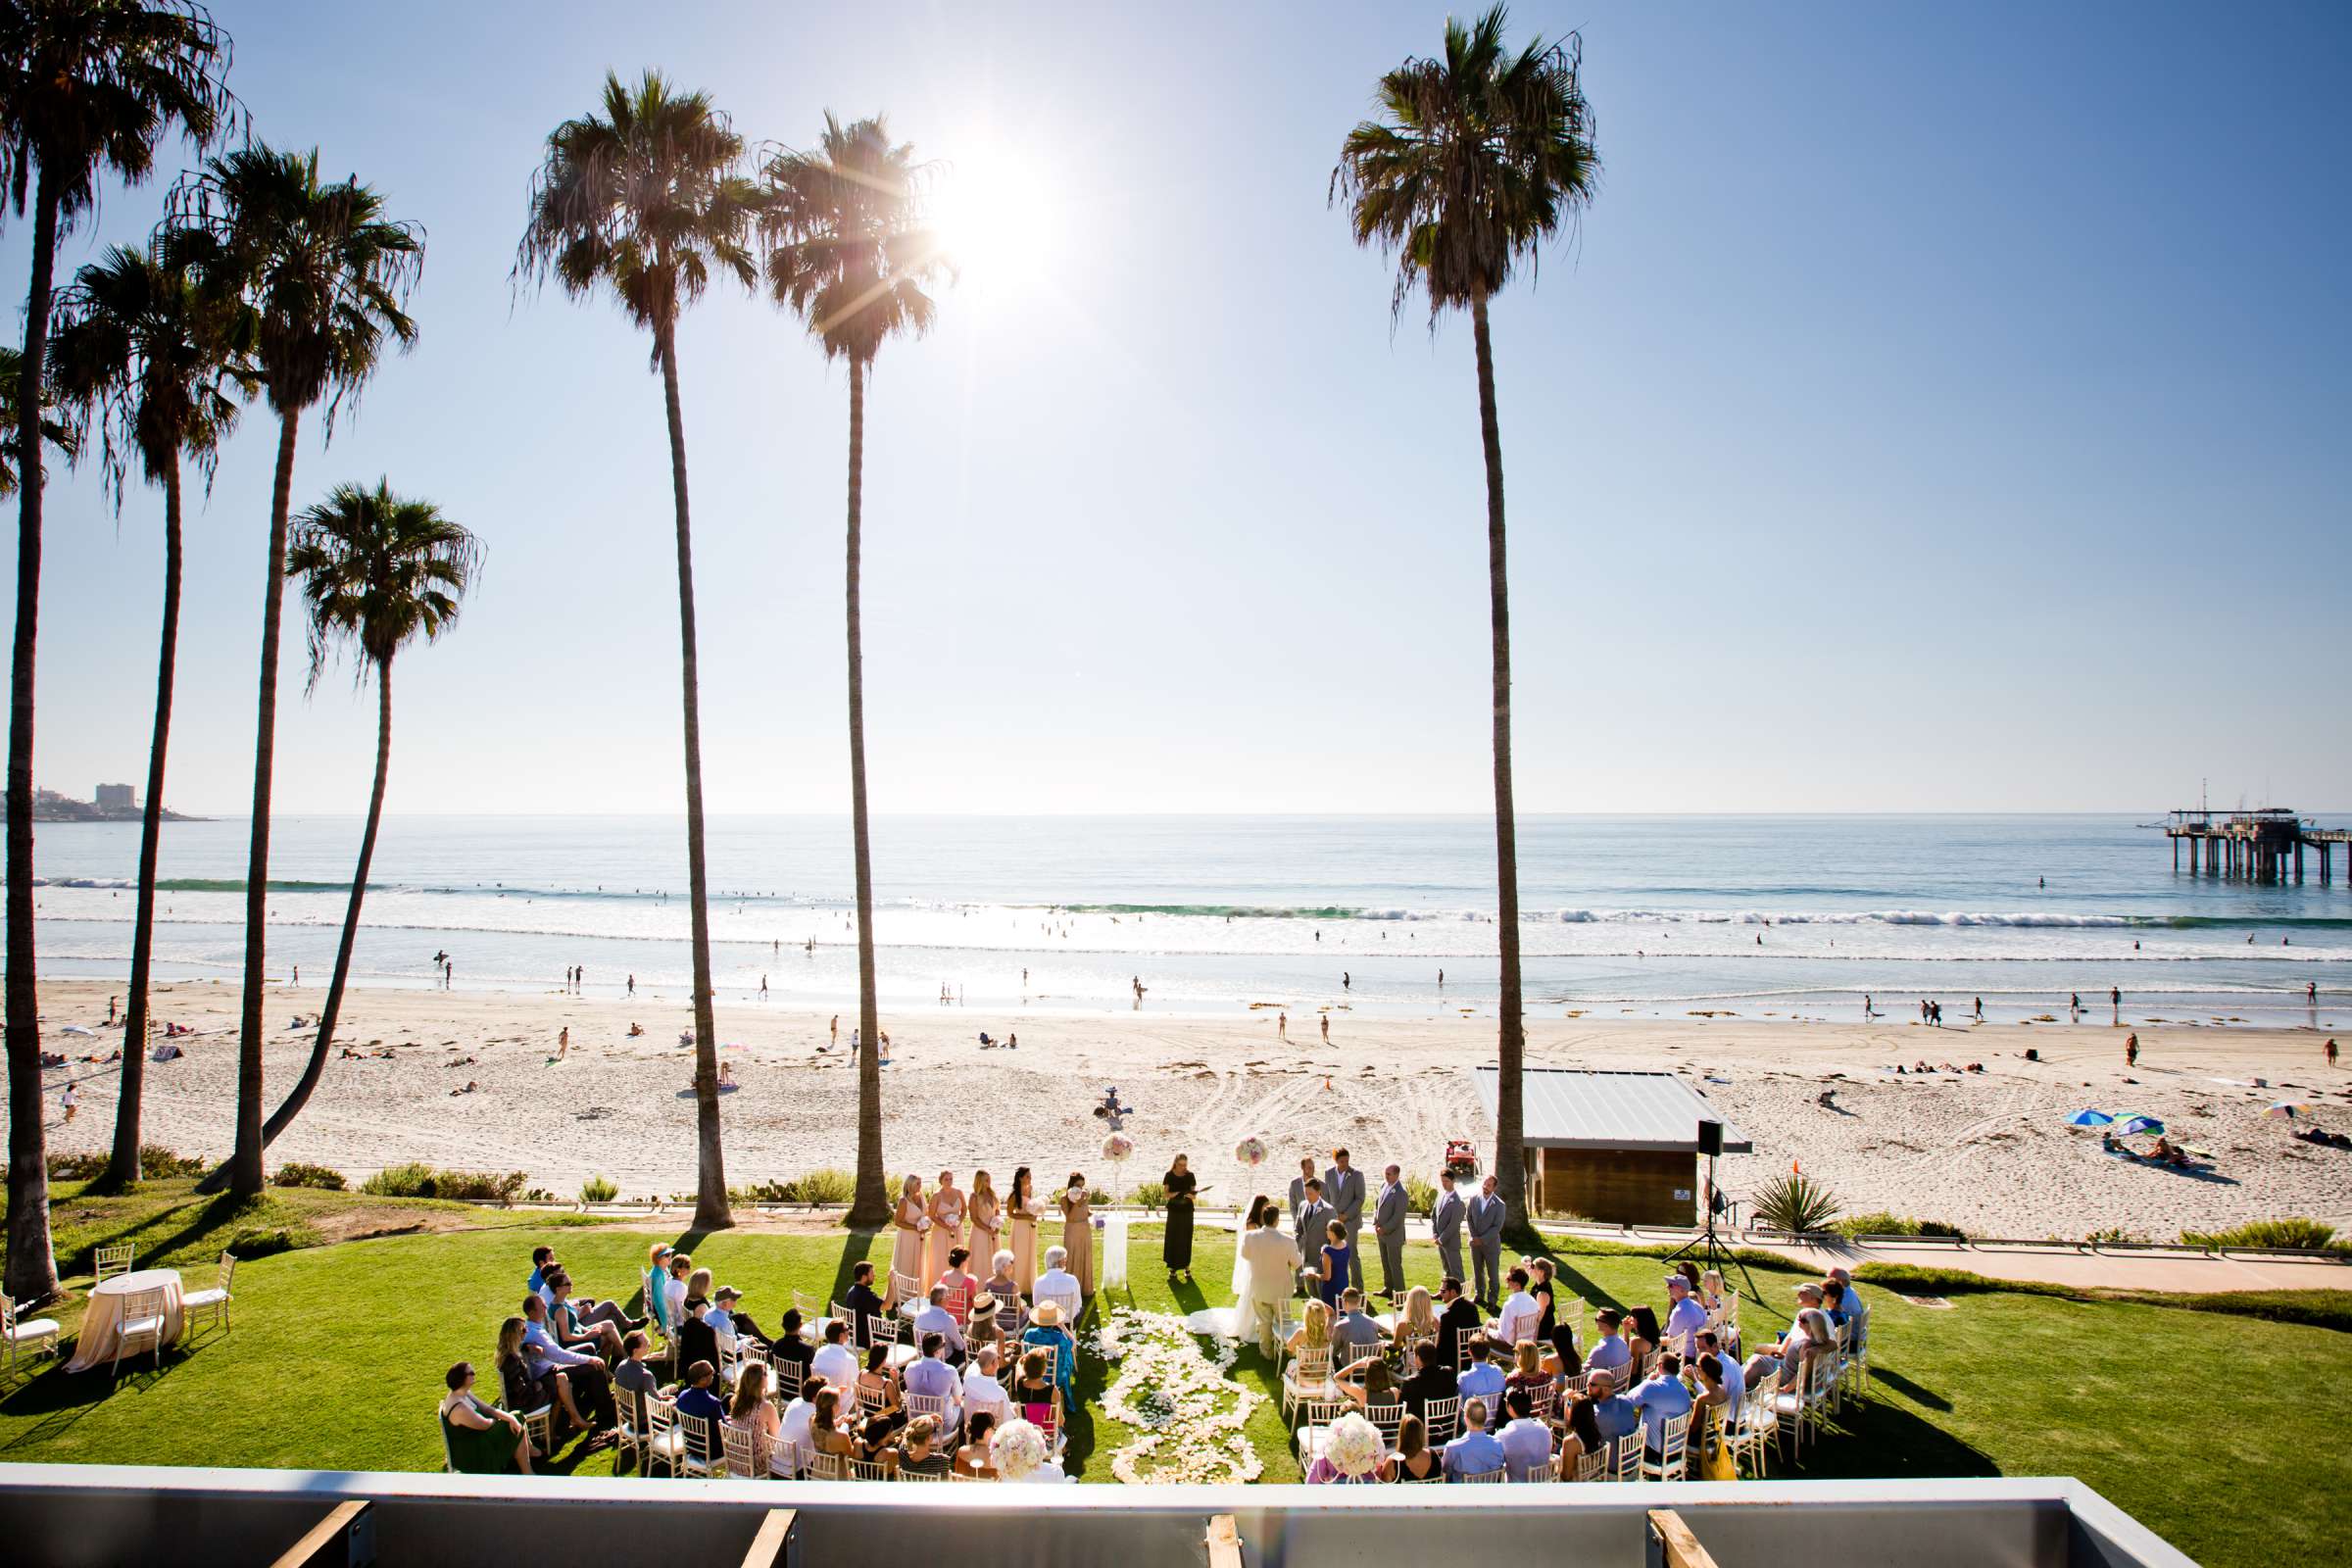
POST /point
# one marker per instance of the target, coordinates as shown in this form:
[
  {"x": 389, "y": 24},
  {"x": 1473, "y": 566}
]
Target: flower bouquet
[
  {"x": 1016, "y": 1450},
  {"x": 1352, "y": 1447},
  {"x": 922, "y": 1226},
  {"x": 1118, "y": 1147},
  {"x": 1250, "y": 1151}
]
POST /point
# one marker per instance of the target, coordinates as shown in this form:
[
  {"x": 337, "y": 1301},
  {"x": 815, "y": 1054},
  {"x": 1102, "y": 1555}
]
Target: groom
[{"x": 1273, "y": 1260}]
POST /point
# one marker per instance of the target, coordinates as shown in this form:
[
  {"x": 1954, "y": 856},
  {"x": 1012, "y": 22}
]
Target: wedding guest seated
[
  {"x": 983, "y": 1389},
  {"x": 696, "y": 1399},
  {"x": 1033, "y": 1391},
  {"x": 1712, "y": 1412},
  {"x": 1414, "y": 1461},
  {"x": 1684, "y": 1317},
  {"x": 982, "y": 1327},
  {"x": 1313, "y": 1331},
  {"x": 789, "y": 1346},
  {"x": 1520, "y": 1311},
  {"x": 522, "y": 1391},
  {"x": 958, "y": 1282},
  {"x": 878, "y": 1388},
  {"x": 586, "y": 1390},
  {"x": 1526, "y": 1441},
  {"x": 729, "y": 1326},
  {"x": 794, "y": 1432},
  {"x": 999, "y": 1283},
  {"x": 1432, "y": 1378},
  {"x": 636, "y": 1381},
  {"x": 751, "y": 1407},
  {"x": 1057, "y": 1284},
  {"x": 834, "y": 1360},
  {"x": 1581, "y": 1436},
  {"x": 1613, "y": 1415},
  {"x": 483, "y": 1439},
  {"x": 1610, "y": 1352},
  {"x": 918, "y": 1452},
  {"x": 544, "y": 1263},
  {"x": 972, "y": 1459},
  {"x": 1642, "y": 1337},
  {"x": 936, "y": 1320},
  {"x": 1044, "y": 1328},
  {"x": 1355, "y": 1335},
  {"x": 680, "y": 1268},
  {"x": 656, "y": 1287},
  {"x": 601, "y": 1339},
  {"x": 1481, "y": 1378},
  {"x": 1459, "y": 1313},
  {"x": 825, "y": 1436},
  {"x": 1528, "y": 1370},
  {"x": 1417, "y": 1319},
  {"x": 1660, "y": 1399},
  {"x": 1784, "y": 1360},
  {"x": 863, "y": 1304},
  {"x": 929, "y": 1375},
  {"x": 1833, "y": 1301},
  {"x": 697, "y": 1336},
  {"x": 1856, "y": 1307},
  {"x": 1477, "y": 1451},
  {"x": 1368, "y": 1381},
  {"x": 1735, "y": 1381},
  {"x": 1719, "y": 1304}
]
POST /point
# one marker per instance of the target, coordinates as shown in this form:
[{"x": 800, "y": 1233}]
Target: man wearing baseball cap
[{"x": 1685, "y": 1319}]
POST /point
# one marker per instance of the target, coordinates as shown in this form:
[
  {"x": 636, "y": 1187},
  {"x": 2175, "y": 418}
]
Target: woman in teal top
[
  {"x": 656, "y": 1295},
  {"x": 483, "y": 1439},
  {"x": 1044, "y": 1328}
]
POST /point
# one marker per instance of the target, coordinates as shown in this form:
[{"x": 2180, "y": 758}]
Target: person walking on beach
[
  {"x": 2330, "y": 1051},
  {"x": 562, "y": 1042},
  {"x": 1441, "y": 979},
  {"x": 1327, "y": 1028},
  {"x": 632, "y": 985},
  {"x": 110, "y": 1009},
  {"x": 1346, "y": 981},
  {"x": 2115, "y": 998},
  {"x": 837, "y": 1029},
  {"x": 1979, "y": 1010},
  {"x": 2131, "y": 1051},
  {"x": 1282, "y": 1027},
  {"x": 763, "y": 988},
  {"x": 70, "y": 1101}
]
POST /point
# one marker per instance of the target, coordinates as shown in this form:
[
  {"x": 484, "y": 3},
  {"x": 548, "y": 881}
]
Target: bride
[{"x": 1232, "y": 1322}]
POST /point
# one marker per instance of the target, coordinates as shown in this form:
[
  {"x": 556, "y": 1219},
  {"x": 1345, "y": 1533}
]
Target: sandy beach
[{"x": 1988, "y": 1152}]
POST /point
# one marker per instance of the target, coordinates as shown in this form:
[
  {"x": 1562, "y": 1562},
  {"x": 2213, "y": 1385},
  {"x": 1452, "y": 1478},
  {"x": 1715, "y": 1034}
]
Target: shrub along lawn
[{"x": 2216, "y": 1429}]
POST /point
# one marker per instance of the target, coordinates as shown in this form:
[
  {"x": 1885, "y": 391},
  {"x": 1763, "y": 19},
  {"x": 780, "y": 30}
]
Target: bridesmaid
[
  {"x": 907, "y": 1254},
  {"x": 1078, "y": 1232},
  {"x": 947, "y": 1228},
  {"x": 987, "y": 1237},
  {"x": 1177, "y": 1246},
  {"x": 1022, "y": 1205}
]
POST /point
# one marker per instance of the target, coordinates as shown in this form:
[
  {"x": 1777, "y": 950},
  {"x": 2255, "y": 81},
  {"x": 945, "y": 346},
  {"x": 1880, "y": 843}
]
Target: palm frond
[
  {"x": 377, "y": 570},
  {"x": 845, "y": 241}
]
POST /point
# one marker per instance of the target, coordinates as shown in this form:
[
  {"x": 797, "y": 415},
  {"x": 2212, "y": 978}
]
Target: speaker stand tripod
[{"x": 1710, "y": 1246}]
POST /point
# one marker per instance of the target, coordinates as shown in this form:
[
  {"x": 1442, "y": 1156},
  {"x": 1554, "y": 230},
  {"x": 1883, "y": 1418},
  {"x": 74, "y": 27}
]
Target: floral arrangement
[
  {"x": 922, "y": 1225},
  {"x": 1354, "y": 1445},
  {"x": 1186, "y": 1413},
  {"x": 1250, "y": 1151},
  {"x": 1118, "y": 1146},
  {"x": 1016, "y": 1450}
]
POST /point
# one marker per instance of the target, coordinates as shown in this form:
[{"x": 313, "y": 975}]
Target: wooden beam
[
  {"x": 329, "y": 1544},
  {"x": 1224, "y": 1542},
  {"x": 1672, "y": 1545},
  {"x": 774, "y": 1537}
]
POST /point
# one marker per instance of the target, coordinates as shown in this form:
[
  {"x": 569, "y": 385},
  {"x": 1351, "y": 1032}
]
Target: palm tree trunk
[
  {"x": 871, "y": 1206},
  {"x": 300, "y": 1095},
  {"x": 122, "y": 1169},
  {"x": 31, "y": 1273},
  {"x": 244, "y": 1168},
  {"x": 711, "y": 1171},
  {"x": 1510, "y": 1159}
]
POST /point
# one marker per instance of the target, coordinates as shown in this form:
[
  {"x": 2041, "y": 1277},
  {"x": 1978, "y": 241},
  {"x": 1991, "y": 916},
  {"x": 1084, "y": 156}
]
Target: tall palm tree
[
  {"x": 1481, "y": 154},
  {"x": 141, "y": 352},
  {"x": 378, "y": 571},
  {"x": 849, "y": 254},
  {"x": 85, "y": 86},
  {"x": 58, "y": 432},
  {"x": 646, "y": 200},
  {"x": 318, "y": 278}
]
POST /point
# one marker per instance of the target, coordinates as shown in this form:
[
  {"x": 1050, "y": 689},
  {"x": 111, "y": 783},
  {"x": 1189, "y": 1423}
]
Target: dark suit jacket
[
  {"x": 1459, "y": 1314},
  {"x": 861, "y": 1300},
  {"x": 1422, "y": 1386}
]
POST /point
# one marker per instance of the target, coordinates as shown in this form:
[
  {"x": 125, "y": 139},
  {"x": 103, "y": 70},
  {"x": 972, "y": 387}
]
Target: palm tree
[
  {"x": 318, "y": 278},
  {"x": 141, "y": 351},
  {"x": 85, "y": 86},
  {"x": 378, "y": 571},
  {"x": 645, "y": 200},
  {"x": 1480, "y": 155},
  {"x": 59, "y": 433},
  {"x": 848, "y": 253}
]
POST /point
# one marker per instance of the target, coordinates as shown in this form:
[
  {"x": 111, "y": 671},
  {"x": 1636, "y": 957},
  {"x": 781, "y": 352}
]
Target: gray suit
[
  {"x": 1487, "y": 1216},
  {"x": 1298, "y": 1198},
  {"x": 1445, "y": 1219},
  {"x": 1312, "y": 1221},
  {"x": 1344, "y": 1189},
  {"x": 1388, "y": 1225}
]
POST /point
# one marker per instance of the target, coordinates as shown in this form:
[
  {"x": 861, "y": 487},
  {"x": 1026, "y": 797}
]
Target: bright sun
[{"x": 997, "y": 216}]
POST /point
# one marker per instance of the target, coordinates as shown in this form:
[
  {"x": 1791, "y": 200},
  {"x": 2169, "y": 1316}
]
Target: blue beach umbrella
[
  {"x": 2088, "y": 1118},
  {"x": 2141, "y": 1124}
]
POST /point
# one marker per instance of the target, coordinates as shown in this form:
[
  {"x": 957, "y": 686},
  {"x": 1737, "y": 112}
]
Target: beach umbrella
[
  {"x": 2088, "y": 1118},
  {"x": 2289, "y": 1109},
  {"x": 2141, "y": 1124}
]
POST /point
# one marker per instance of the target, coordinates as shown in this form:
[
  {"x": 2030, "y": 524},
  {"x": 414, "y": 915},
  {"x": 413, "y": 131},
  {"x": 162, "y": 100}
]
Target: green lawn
[{"x": 2183, "y": 1418}]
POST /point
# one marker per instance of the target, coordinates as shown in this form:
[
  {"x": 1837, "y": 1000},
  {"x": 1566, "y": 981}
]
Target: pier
[{"x": 2260, "y": 846}]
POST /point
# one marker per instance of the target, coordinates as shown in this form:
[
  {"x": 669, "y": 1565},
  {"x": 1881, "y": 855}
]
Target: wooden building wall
[{"x": 1620, "y": 1186}]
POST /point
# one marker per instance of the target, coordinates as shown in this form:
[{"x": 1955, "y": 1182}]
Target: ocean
[{"x": 1791, "y": 916}]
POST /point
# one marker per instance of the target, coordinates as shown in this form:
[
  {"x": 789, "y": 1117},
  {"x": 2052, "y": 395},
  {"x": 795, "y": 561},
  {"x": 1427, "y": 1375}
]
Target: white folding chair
[
  {"x": 1593, "y": 1466},
  {"x": 940, "y": 1405},
  {"x": 114, "y": 1259},
  {"x": 24, "y": 1337},
  {"x": 140, "y": 1329},
  {"x": 1673, "y": 1462},
  {"x": 1625, "y": 1458},
  {"x": 1759, "y": 1426},
  {"x": 959, "y": 1303},
  {"x": 1461, "y": 1344},
  {"x": 869, "y": 1470},
  {"x": 1315, "y": 1417},
  {"x": 209, "y": 1303},
  {"x": 1545, "y": 1398},
  {"x": 1441, "y": 1418},
  {"x": 785, "y": 1373},
  {"x": 1386, "y": 1419},
  {"x": 697, "y": 1454},
  {"x": 1491, "y": 1477},
  {"x": 1307, "y": 1377},
  {"x": 1548, "y": 1471},
  {"x": 830, "y": 1467},
  {"x": 739, "y": 1443},
  {"x": 906, "y": 1290},
  {"x": 905, "y": 1476}
]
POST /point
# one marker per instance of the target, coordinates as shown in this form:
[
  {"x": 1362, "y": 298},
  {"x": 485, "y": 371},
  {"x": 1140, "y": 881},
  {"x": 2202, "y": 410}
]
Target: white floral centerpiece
[
  {"x": 1188, "y": 1415},
  {"x": 1250, "y": 1151},
  {"x": 1354, "y": 1446},
  {"x": 1016, "y": 1450}
]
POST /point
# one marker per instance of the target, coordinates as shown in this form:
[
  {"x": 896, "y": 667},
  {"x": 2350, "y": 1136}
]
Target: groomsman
[
  {"x": 1299, "y": 1186},
  {"x": 1344, "y": 1189},
  {"x": 1445, "y": 1221},
  {"x": 1314, "y": 1224},
  {"x": 1388, "y": 1226},
  {"x": 1487, "y": 1216}
]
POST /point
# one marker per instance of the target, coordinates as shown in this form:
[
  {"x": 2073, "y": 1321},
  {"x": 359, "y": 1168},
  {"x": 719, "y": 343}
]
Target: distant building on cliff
[{"x": 117, "y": 797}]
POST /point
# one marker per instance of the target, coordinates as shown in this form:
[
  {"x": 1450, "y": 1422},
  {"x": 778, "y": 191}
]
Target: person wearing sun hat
[
  {"x": 1046, "y": 1330},
  {"x": 727, "y": 1324}
]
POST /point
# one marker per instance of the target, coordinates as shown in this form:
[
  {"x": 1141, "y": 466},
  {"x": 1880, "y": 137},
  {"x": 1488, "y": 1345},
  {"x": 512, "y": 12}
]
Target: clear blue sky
[{"x": 1941, "y": 409}]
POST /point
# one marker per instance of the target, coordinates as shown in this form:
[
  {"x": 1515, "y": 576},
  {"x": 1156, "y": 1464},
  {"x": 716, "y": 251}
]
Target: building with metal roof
[{"x": 1615, "y": 1146}]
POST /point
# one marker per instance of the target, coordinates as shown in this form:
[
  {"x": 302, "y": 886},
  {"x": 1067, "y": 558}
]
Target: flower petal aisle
[{"x": 1186, "y": 1413}]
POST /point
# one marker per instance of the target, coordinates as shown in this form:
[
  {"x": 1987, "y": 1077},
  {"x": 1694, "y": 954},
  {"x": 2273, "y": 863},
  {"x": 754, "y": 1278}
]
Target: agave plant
[{"x": 1794, "y": 1203}]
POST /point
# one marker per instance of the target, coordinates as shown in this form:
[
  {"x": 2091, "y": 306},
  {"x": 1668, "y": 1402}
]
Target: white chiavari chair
[
  {"x": 698, "y": 1452},
  {"x": 141, "y": 1328},
  {"x": 1673, "y": 1461},
  {"x": 114, "y": 1259},
  {"x": 1442, "y": 1418},
  {"x": 740, "y": 1445},
  {"x": 1306, "y": 1377},
  {"x": 22, "y": 1337},
  {"x": 211, "y": 1302}
]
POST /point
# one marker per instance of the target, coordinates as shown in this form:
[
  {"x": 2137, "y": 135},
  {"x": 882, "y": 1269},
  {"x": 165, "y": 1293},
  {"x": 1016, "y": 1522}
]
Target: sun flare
[{"x": 998, "y": 216}]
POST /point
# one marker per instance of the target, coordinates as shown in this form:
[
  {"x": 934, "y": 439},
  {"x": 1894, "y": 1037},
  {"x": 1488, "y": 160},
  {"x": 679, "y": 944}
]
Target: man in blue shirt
[
  {"x": 1610, "y": 1352},
  {"x": 1612, "y": 1412},
  {"x": 1477, "y": 1451},
  {"x": 1660, "y": 1399},
  {"x": 1526, "y": 1441},
  {"x": 696, "y": 1399},
  {"x": 1481, "y": 1378}
]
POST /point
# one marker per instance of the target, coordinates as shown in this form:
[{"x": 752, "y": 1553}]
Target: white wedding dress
[{"x": 1226, "y": 1322}]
